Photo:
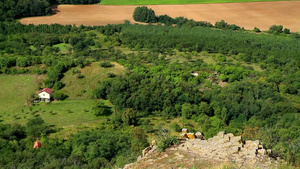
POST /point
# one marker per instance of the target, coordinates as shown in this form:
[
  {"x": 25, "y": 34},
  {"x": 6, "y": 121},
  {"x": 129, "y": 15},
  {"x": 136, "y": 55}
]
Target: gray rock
[
  {"x": 230, "y": 135},
  {"x": 236, "y": 139},
  {"x": 221, "y": 134},
  {"x": 199, "y": 135},
  {"x": 261, "y": 151},
  {"x": 233, "y": 150},
  {"x": 184, "y": 130}
]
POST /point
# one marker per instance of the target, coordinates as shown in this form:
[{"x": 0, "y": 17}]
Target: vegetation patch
[
  {"x": 15, "y": 93},
  {"x": 76, "y": 87}
]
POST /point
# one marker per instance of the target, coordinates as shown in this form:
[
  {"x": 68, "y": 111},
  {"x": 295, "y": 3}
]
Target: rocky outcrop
[
  {"x": 221, "y": 149},
  {"x": 230, "y": 148}
]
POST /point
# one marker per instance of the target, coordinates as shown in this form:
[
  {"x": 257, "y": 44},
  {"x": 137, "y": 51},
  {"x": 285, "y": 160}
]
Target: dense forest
[
  {"x": 257, "y": 102},
  {"x": 14, "y": 9}
]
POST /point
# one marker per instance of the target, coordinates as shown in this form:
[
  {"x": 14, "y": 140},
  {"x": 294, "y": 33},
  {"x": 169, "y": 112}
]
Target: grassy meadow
[
  {"x": 75, "y": 110},
  {"x": 81, "y": 88},
  {"x": 15, "y": 90},
  {"x": 169, "y": 2}
]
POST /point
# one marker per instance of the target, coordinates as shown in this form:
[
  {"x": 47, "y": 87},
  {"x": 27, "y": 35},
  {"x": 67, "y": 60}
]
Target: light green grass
[
  {"x": 66, "y": 113},
  {"x": 14, "y": 92},
  {"x": 81, "y": 88},
  {"x": 63, "y": 47},
  {"x": 166, "y": 2}
]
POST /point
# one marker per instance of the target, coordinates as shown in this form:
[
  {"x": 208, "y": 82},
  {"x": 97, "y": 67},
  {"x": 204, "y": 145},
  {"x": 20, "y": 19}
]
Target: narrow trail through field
[{"x": 247, "y": 15}]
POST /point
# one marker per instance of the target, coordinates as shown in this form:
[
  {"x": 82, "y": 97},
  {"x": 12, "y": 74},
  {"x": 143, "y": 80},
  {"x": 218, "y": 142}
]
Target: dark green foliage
[
  {"x": 106, "y": 64},
  {"x": 100, "y": 109},
  {"x": 275, "y": 29},
  {"x": 58, "y": 95},
  {"x": 167, "y": 141},
  {"x": 88, "y": 149},
  {"x": 78, "y": 1},
  {"x": 286, "y": 31},
  {"x": 144, "y": 14},
  {"x": 139, "y": 140},
  {"x": 35, "y": 127},
  {"x": 256, "y": 30},
  {"x": 224, "y": 25},
  {"x": 129, "y": 117},
  {"x": 12, "y": 9},
  {"x": 176, "y": 127}
]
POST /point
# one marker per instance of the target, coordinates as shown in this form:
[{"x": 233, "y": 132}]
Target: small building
[
  {"x": 45, "y": 94},
  {"x": 37, "y": 144}
]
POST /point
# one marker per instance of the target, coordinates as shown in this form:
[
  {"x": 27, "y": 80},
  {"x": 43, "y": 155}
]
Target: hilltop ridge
[{"x": 222, "y": 150}]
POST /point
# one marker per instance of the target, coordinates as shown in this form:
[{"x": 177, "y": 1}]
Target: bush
[
  {"x": 59, "y": 95},
  {"x": 256, "y": 30},
  {"x": 167, "y": 142},
  {"x": 106, "y": 64},
  {"x": 275, "y": 29},
  {"x": 111, "y": 75},
  {"x": 176, "y": 127},
  {"x": 144, "y": 14},
  {"x": 286, "y": 31}
]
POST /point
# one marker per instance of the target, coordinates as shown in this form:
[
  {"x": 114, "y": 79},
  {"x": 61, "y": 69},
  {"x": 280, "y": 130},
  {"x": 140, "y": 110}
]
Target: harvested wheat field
[{"x": 247, "y": 15}]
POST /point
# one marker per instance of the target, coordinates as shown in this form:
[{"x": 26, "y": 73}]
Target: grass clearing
[
  {"x": 77, "y": 88},
  {"x": 169, "y": 2},
  {"x": 66, "y": 113},
  {"x": 63, "y": 47},
  {"x": 14, "y": 92}
]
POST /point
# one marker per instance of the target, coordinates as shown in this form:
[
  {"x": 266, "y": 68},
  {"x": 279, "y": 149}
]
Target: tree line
[{"x": 14, "y": 9}]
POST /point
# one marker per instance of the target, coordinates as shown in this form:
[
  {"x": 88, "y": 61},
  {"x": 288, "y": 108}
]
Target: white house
[{"x": 45, "y": 94}]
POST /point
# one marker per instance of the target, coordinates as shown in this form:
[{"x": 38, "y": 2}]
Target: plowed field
[{"x": 247, "y": 15}]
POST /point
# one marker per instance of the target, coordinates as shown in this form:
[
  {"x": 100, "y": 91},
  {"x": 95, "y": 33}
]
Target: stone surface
[
  {"x": 153, "y": 143},
  {"x": 222, "y": 147},
  {"x": 199, "y": 135},
  {"x": 221, "y": 134},
  {"x": 230, "y": 135},
  {"x": 236, "y": 139},
  {"x": 261, "y": 151}
]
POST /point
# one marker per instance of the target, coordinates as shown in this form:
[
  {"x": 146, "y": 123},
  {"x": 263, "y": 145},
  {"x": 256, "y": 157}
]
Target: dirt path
[{"x": 248, "y": 15}]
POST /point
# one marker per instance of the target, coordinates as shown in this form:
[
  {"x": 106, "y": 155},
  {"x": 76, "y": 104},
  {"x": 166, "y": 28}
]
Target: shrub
[
  {"x": 59, "y": 95},
  {"x": 111, "y": 75},
  {"x": 286, "y": 31},
  {"x": 106, "y": 64},
  {"x": 167, "y": 142},
  {"x": 176, "y": 127},
  {"x": 144, "y": 14},
  {"x": 276, "y": 29},
  {"x": 256, "y": 30}
]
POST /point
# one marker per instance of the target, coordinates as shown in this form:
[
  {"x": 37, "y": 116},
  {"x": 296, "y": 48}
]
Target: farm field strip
[
  {"x": 247, "y": 15},
  {"x": 170, "y": 2}
]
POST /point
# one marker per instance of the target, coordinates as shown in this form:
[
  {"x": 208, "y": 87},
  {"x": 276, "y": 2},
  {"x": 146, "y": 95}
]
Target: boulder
[
  {"x": 261, "y": 151},
  {"x": 199, "y": 135},
  {"x": 230, "y": 135},
  {"x": 236, "y": 139},
  {"x": 233, "y": 150},
  {"x": 146, "y": 150},
  {"x": 184, "y": 130},
  {"x": 251, "y": 145},
  {"x": 221, "y": 134},
  {"x": 153, "y": 143}
]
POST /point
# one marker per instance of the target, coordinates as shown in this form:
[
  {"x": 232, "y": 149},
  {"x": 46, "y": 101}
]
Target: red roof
[{"x": 47, "y": 90}]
